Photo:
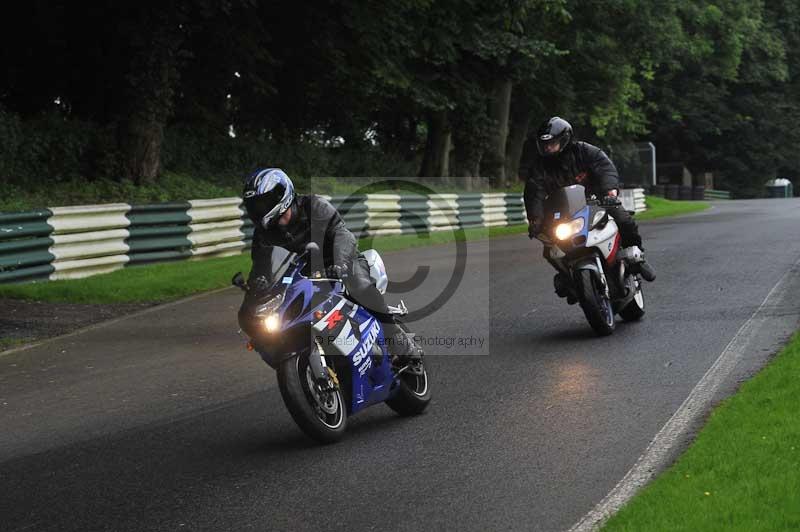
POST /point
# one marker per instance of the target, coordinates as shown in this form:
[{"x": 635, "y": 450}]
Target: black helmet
[
  {"x": 267, "y": 195},
  {"x": 553, "y": 136}
]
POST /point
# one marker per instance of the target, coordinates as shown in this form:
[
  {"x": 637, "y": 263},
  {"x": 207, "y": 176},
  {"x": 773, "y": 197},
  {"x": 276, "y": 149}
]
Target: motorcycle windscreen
[
  {"x": 277, "y": 264},
  {"x": 563, "y": 203}
]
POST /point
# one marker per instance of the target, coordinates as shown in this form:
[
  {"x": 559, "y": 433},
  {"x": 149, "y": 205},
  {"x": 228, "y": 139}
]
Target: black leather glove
[
  {"x": 534, "y": 228},
  {"x": 260, "y": 284},
  {"x": 335, "y": 272},
  {"x": 611, "y": 201}
]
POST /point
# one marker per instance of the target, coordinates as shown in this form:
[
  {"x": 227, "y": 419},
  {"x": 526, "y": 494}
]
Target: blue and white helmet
[{"x": 267, "y": 195}]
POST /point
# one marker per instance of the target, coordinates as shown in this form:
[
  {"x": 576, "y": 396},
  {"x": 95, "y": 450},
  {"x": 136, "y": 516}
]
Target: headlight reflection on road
[{"x": 575, "y": 380}]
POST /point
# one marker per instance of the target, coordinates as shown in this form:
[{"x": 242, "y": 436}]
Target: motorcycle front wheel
[
  {"x": 320, "y": 414},
  {"x": 596, "y": 306}
]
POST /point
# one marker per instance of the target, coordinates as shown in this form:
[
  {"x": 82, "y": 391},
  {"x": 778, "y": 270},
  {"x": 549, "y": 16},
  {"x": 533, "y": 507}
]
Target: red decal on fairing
[
  {"x": 334, "y": 318},
  {"x": 613, "y": 254}
]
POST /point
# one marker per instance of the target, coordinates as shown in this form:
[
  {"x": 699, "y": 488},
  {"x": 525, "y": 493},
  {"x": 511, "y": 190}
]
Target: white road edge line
[{"x": 655, "y": 457}]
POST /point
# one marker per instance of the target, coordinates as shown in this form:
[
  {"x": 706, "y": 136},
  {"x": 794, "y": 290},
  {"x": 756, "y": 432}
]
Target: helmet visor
[
  {"x": 264, "y": 209},
  {"x": 551, "y": 145}
]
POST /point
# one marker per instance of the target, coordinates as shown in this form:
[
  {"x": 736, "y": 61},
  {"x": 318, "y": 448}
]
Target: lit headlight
[
  {"x": 566, "y": 230},
  {"x": 272, "y": 323},
  {"x": 270, "y": 306}
]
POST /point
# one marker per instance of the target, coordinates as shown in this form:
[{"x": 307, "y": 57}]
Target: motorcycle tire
[
  {"x": 634, "y": 310},
  {"x": 323, "y": 419},
  {"x": 595, "y": 305},
  {"x": 413, "y": 395}
]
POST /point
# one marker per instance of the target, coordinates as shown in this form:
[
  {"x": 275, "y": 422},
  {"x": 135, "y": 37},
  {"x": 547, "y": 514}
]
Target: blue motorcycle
[{"x": 328, "y": 351}]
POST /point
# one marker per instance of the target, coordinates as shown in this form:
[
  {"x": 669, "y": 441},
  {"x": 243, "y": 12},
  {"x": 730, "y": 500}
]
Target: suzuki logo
[{"x": 335, "y": 317}]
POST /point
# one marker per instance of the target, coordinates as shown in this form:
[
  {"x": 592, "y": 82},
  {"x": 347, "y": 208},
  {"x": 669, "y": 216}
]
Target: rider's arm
[
  {"x": 260, "y": 255},
  {"x": 602, "y": 171},
  {"x": 534, "y": 194},
  {"x": 345, "y": 247}
]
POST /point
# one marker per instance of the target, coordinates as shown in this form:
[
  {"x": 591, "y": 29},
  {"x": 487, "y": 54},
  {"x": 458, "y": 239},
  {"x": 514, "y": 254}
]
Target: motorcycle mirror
[
  {"x": 238, "y": 281},
  {"x": 312, "y": 247}
]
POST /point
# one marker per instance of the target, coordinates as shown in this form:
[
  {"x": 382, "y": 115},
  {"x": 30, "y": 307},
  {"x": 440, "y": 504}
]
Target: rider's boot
[
  {"x": 401, "y": 344},
  {"x": 647, "y": 272},
  {"x": 561, "y": 283},
  {"x": 638, "y": 264}
]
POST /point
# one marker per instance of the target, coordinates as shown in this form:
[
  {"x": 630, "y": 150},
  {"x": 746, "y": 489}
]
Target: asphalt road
[{"x": 162, "y": 421}]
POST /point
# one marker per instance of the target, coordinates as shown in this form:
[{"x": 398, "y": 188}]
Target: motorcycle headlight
[
  {"x": 272, "y": 323},
  {"x": 269, "y": 307},
  {"x": 567, "y": 229}
]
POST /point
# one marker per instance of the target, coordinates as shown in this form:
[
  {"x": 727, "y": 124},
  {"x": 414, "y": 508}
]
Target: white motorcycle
[{"x": 582, "y": 243}]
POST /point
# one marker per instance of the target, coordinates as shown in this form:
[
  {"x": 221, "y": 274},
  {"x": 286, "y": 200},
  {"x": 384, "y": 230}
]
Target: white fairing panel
[
  {"x": 603, "y": 239},
  {"x": 377, "y": 270}
]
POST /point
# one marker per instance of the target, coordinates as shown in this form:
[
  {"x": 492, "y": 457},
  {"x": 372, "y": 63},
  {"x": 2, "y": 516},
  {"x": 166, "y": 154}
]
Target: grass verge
[
  {"x": 8, "y": 343},
  {"x": 742, "y": 472},
  {"x": 168, "y": 281},
  {"x": 660, "y": 207}
]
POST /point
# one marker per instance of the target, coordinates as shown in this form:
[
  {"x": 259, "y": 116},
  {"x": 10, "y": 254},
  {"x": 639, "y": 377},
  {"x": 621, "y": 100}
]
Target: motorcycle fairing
[
  {"x": 604, "y": 239},
  {"x": 349, "y": 331}
]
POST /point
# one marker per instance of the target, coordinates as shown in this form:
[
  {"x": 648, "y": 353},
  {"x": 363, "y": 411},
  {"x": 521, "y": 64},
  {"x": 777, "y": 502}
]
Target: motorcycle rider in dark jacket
[
  {"x": 284, "y": 219},
  {"x": 561, "y": 161}
]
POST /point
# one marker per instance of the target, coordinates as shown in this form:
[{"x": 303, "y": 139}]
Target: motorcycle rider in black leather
[
  {"x": 284, "y": 219},
  {"x": 562, "y": 161}
]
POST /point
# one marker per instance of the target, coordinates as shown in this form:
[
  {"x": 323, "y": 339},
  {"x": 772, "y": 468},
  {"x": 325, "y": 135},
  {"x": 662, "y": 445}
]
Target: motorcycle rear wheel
[
  {"x": 320, "y": 415},
  {"x": 596, "y": 307},
  {"x": 634, "y": 310},
  {"x": 413, "y": 395}
]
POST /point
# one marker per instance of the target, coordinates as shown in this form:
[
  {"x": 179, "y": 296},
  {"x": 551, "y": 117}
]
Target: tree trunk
[
  {"x": 467, "y": 163},
  {"x": 142, "y": 149},
  {"x": 151, "y": 82},
  {"x": 494, "y": 160},
  {"x": 435, "y": 162},
  {"x": 517, "y": 135}
]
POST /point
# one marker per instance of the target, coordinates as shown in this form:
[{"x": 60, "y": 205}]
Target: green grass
[
  {"x": 367, "y": 185},
  {"x": 660, "y": 207},
  {"x": 170, "y": 187},
  {"x": 8, "y": 343},
  {"x": 181, "y": 187},
  {"x": 743, "y": 471},
  {"x": 168, "y": 281}
]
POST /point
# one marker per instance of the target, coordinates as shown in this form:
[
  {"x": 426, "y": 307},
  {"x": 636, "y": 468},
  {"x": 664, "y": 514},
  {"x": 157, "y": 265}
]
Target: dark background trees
[{"x": 130, "y": 92}]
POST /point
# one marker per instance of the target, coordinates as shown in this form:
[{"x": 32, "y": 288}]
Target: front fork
[
  {"x": 585, "y": 263},
  {"x": 595, "y": 264},
  {"x": 324, "y": 375},
  {"x": 602, "y": 275}
]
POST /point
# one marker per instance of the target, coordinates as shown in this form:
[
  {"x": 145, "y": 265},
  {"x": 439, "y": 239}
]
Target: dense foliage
[{"x": 128, "y": 90}]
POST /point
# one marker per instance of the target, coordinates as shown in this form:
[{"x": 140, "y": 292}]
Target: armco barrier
[
  {"x": 633, "y": 199},
  {"x": 79, "y": 241},
  {"x": 216, "y": 227},
  {"x": 716, "y": 194},
  {"x": 88, "y": 239},
  {"x": 159, "y": 233},
  {"x": 25, "y": 246}
]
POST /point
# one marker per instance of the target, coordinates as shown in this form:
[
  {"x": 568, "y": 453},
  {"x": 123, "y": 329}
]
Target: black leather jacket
[
  {"x": 580, "y": 163},
  {"x": 314, "y": 219}
]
